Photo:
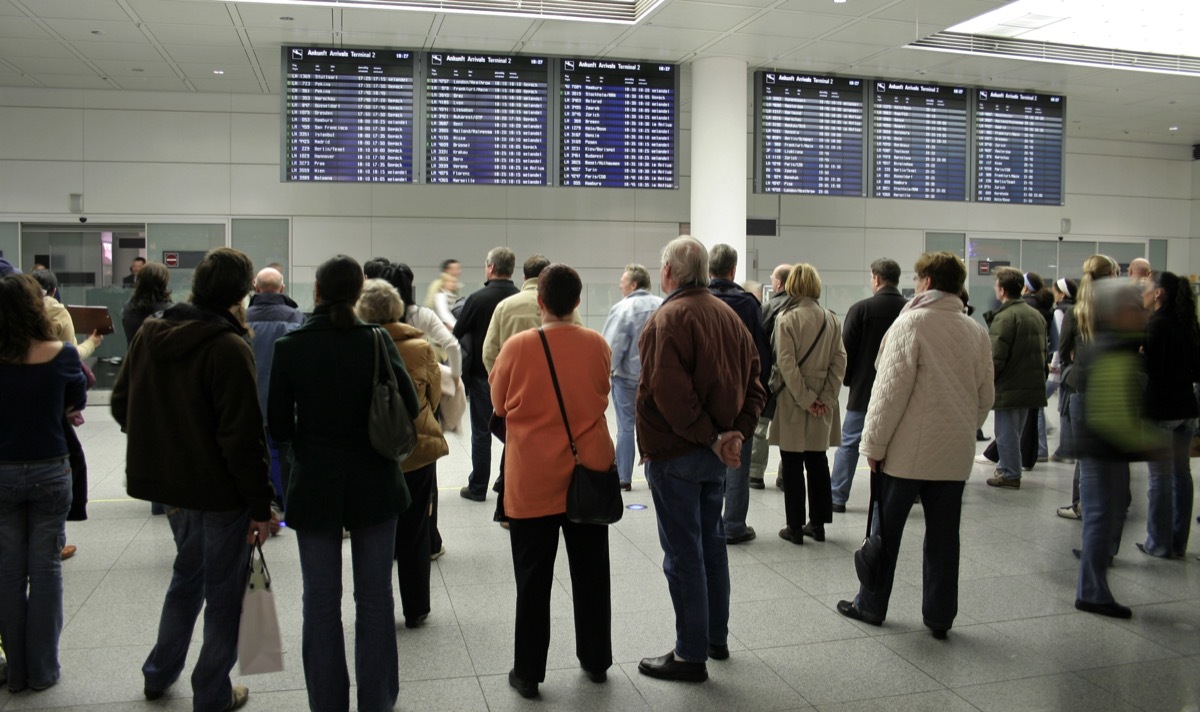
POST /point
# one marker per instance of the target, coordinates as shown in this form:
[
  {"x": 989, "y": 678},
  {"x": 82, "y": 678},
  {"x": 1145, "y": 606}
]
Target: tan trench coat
[{"x": 794, "y": 429}]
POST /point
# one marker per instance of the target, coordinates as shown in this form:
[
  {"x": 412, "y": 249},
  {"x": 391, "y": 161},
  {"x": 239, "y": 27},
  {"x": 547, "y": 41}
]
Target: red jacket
[{"x": 699, "y": 377}]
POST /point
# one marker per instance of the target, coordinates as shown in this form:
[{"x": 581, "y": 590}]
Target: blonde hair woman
[{"x": 810, "y": 362}]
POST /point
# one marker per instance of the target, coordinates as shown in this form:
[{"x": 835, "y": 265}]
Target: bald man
[
  {"x": 270, "y": 316},
  {"x": 1139, "y": 269}
]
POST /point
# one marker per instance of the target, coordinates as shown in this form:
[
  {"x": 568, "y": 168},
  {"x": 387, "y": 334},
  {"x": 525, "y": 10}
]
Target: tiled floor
[{"x": 1018, "y": 643}]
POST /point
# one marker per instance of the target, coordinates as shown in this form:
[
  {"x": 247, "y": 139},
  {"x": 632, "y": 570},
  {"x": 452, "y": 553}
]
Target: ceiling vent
[{"x": 1063, "y": 53}]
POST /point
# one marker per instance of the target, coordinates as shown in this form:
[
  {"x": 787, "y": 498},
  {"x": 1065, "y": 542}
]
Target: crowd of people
[{"x": 270, "y": 414}]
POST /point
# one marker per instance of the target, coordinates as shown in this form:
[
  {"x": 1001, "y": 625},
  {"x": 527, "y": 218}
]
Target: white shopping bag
[{"x": 260, "y": 649}]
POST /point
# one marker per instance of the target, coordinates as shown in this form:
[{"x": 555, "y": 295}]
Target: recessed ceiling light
[
  {"x": 1173, "y": 128},
  {"x": 839, "y": 2},
  {"x": 218, "y": 71}
]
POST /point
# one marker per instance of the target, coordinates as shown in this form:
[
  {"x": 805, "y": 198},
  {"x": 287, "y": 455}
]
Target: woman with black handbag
[
  {"x": 556, "y": 428},
  {"x": 934, "y": 388}
]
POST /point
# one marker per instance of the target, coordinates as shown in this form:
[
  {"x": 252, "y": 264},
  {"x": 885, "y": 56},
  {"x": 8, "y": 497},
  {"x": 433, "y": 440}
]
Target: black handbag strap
[
  {"x": 875, "y": 485},
  {"x": 562, "y": 408},
  {"x": 377, "y": 335}
]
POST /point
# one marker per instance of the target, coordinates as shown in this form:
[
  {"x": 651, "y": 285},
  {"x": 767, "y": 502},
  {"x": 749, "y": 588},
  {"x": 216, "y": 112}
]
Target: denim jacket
[{"x": 622, "y": 328}]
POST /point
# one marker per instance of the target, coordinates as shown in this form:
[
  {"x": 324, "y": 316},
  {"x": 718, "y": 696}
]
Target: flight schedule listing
[
  {"x": 1018, "y": 147},
  {"x": 617, "y": 124},
  {"x": 348, "y": 114},
  {"x": 919, "y": 141},
  {"x": 811, "y": 134},
  {"x": 486, "y": 119}
]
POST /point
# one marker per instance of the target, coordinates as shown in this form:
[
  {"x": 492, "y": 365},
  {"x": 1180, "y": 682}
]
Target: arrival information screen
[
  {"x": 811, "y": 134},
  {"x": 920, "y": 141},
  {"x": 349, "y": 115},
  {"x": 1018, "y": 147},
  {"x": 617, "y": 124},
  {"x": 486, "y": 119}
]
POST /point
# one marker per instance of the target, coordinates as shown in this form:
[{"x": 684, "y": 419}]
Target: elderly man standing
[
  {"x": 621, "y": 331},
  {"x": 761, "y": 450},
  {"x": 699, "y": 397},
  {"x": 271, "y": 315},
  {"x": 1139, "y": 269}
]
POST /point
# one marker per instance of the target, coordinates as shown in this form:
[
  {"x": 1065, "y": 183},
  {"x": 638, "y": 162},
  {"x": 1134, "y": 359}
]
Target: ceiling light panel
[{"x": 625, "y": 12}]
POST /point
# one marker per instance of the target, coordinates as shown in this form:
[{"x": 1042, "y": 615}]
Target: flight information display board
[
  {"x": 1019, "y": 147},
  {"x": 617, "y": 123},
  {"x": 919, "y": 141},
  {"x": 810, "y": 132},
  {"x": 486, "y": 119},
  {"x": 347, "y": 115}
]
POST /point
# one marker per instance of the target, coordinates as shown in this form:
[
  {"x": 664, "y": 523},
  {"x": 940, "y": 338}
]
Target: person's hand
[
  {"x": 95, "y": 338},
  {"x": 818, "y": 409},
  {"x": 259, "y": 530},
  {"x": 728, "y": 448},
  {"x": 875, "y": 465}
]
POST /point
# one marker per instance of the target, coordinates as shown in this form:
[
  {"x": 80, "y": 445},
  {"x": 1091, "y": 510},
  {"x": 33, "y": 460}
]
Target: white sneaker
[{"x": 983, "y": 460}]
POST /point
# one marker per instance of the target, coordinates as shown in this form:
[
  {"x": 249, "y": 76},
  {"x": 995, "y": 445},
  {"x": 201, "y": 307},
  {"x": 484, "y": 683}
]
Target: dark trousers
[
  {"x": 435, "y": 536},
  {"x": 795, "y": 468},
  {"x": 534, "y": 546},
  {"x": 1029, "y": 443},
  {"x": 942, "y": 503},
  {"x": 79, "y": 482},
  {"x": 480, "y": 395},
  {"x": 412, "y": 543}
]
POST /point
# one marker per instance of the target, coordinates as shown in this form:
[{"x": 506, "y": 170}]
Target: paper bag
[{"x": 260, "y": 648}]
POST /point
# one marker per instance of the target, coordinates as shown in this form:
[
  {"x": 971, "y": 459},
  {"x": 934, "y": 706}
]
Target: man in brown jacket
[{"x": 698, "y": 399}]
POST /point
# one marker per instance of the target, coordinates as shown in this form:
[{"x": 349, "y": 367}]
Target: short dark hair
[
  {"x": 945, "y": 270},
  {"x": 887, "y": 270},
  {"x": 1011, "y": 280},
  {"x": 400, "y": 276},
  {"x": 534, "y": 265},
  {"x": 139, "y": 259},
  {"x": 559, "y": 287},
  {"x": 46, "y": 279},
  {"x": 446, "y": 264},
  {"x": 375, "y": 267},
  {"x": 223, "y": 278},
  {"x": 339, "y": 282},
  {"x": 722, "y": 259},
  {"x": 639, "y": 275},
  {"x": 502, "y": 261}
]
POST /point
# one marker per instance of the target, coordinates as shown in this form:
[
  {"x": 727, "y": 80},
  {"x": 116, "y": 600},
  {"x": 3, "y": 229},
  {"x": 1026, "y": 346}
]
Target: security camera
[
  {"x": 83, "y": 220},
  {"x": 1060, "y": 238}
]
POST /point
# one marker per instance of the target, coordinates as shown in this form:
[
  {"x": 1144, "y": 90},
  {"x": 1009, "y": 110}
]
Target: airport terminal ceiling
[{"x": 234, "y": 47}]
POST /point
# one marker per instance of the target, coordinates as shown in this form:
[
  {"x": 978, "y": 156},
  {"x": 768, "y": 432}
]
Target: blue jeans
[
  {"x": 688, "y": 492},
  {"x": 1169, "y": 517},
  {"x": 941, "y": 503},
  {"x": 1103, "y": 499},
  {"x": 210, "y": 571},
  {"x": 479, "y": 394},
  {"x": 323, "y": 646},
  {"x": 845, "y": 461},
  {"x": 624, "y": 395},
  {"x": 737, "y": 492},
  {"x": 34, "y": 500},
  {"x": 1009, "y": 422}
]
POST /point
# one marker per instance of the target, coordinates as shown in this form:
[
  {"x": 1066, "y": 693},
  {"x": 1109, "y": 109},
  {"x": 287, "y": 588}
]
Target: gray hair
[
  {"x": 379, "y": 302},
  {"x": 502, "y": 261},
  {"x": 887, "y": 270},
  {"x": 722, "y": 260},
  {"x": 639, "y": 275},
  {"x": 688, "y": 260}
]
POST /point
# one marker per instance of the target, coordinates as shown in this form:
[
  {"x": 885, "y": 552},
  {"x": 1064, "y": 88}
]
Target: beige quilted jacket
[{"x": 933, "y": 390}]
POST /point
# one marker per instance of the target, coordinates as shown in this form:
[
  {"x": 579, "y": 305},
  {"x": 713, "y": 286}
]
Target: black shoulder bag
[
  {"x": 870, "y": 560},
  {"x": 389, "y": 424},
  {"x": 593, "y": 497}
]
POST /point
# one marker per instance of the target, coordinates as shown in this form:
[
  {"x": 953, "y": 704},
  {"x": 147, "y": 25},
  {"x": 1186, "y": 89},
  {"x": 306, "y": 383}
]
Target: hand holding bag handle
[
  {"x": 871, "y": 559},
  {"x": 593, "y": 497}
]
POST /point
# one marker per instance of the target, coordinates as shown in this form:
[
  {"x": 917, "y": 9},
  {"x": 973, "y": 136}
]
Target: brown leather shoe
[{"x": 68, "y": 551}]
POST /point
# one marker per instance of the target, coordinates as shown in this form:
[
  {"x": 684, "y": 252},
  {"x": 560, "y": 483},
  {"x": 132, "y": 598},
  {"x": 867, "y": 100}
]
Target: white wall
[{"x": 151, "y": 155}]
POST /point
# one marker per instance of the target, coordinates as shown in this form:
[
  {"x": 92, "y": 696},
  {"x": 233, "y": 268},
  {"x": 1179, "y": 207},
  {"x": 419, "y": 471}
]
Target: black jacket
[
  {"x": 770, "y": 310},
  {"x": 472, "y": 325},
  {"x": 187, "y": 400},
  {"x": 750, "y": 312},
  {"x": 133, "y": 316},
  {"x": 1171, "y": 368},
  {"x": 862, "y": 333}
]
